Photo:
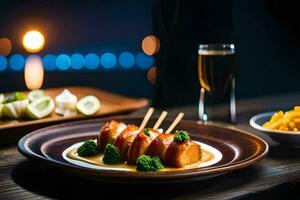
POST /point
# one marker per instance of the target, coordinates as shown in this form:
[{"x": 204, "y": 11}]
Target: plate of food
[
  {"x": 56, "y": 105},
  {"x": 134, "y": 149},
  {"x": 282, "y": 127}
]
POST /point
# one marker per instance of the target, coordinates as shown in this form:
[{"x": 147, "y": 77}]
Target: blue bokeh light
[
  {"x": 49, "y": 62},
  {"x": 77, "y": 61},
  {"x": 63, "y": 62},
  {"x": 126, "y": 60},
  {"x": 17, "y": 62},
  {"x": 108, "y": 60},
  {"x": 144, "y": 61},
  {"x": 3, "y": 63},
  {"x": 92, "y": 61}
]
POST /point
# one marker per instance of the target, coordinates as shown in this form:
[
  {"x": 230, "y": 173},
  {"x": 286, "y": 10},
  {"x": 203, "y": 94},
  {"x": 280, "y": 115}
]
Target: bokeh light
[
  {"x": 77, "y": 61},
  {"x": 49, "y": 62},
  {"x": 5, "y": 46},
  {"x": 63, "y": 62},
  {"x": 16, "y": 62},
  {"x": 3, "y": 63},
  {"x": 34, "y": 72},
  {"x": 33, "y": 41},
  {"x": 150, "y": 45},
  {"x": 144, "y": 61},
  {"x": 126, "y": 60},
  {"x": 92, "y": 61},
  {"x": 151, "y": 75},
  {"x": 108, "y": 60}
]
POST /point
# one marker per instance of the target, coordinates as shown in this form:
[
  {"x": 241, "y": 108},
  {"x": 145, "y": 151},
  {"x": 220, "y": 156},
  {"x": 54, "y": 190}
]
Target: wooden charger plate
[
  {"x": 110, "y": 104},
  {"x": 239, "y": 149}
]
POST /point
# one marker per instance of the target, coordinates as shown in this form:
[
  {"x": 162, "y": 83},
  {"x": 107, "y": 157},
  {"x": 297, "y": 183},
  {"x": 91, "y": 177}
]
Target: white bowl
[{"x": 286, "y": 138}]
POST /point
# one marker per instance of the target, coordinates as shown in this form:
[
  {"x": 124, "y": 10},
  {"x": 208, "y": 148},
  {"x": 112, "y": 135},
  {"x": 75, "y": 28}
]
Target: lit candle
[
  {"x": 34, "y": 72},
  {"x": 33, "y": 41}
]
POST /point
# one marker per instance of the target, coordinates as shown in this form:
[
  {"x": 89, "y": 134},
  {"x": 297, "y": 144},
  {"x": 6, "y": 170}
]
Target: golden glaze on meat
[
  {"x": 159, "y": 145},
  {"x": 125, "y": 139},
  {"x": 109, "y": 133},
  {"x": 140, "y": 145},
  {"x": 132, "y": 143},
  {"x": 184, "y": 153}
]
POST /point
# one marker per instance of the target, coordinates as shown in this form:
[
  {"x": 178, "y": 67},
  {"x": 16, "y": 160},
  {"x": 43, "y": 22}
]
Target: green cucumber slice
[
  {"x": 35, "y": 94},
  {"x": 16, "y": 96},
  {"x": 40, "y": 108},
  {"x": 88, "y": 105},
  {"x": 15, "y": 109}
]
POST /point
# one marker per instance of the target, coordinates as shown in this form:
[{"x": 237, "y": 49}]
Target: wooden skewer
[
  {"x": 160, "y": 119},
  {"x": 146, "y": 118},
  {"x": 175, "y": 122}
]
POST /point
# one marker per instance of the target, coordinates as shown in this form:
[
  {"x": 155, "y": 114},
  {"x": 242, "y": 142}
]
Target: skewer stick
[
  {"x": 175, "y": 122},
  {"x": 160, "y": 120},
  {"x": 146, "y": 118}
]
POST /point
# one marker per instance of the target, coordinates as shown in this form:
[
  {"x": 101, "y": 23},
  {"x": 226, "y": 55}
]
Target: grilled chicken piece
[
  {"x": 140, "y": 144},
  {"x": 184, "y": 153},
  {"x": 125, "y": 139},
  {"x": 159, "y": 145},
  {"x": 109, "y": 133}
]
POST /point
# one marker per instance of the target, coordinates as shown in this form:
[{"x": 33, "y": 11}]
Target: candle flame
[{"x": 33, "y": 41}]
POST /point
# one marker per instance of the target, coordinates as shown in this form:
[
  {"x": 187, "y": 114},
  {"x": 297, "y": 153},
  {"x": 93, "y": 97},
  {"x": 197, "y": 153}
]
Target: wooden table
[{"x": 276, "y": 177}]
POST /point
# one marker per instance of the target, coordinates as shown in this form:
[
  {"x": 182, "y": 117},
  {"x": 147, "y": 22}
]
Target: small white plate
[
  {"x": 217, "y": 156},
  {"x": 287, "y": 138}
]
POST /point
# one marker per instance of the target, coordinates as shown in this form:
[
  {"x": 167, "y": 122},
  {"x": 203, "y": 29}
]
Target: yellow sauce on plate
[{"x": 97, "y": 160}]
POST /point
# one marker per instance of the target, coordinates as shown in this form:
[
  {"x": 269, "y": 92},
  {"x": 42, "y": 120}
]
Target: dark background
[
  {"x": 266, "y": 38},
  {"x": 265, "y": 33},
  {"x": 80, "y": 27}
]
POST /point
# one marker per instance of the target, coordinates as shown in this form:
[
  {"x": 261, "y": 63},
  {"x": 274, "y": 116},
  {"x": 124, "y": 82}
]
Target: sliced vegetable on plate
[
  {"x": 40, "y": 108},
  {"x": 35, "y": 94},
  {"x": 14, "y": 105},
  {"x": 65, "y": 101},
  {"x": 37, "y": 105},
  {"x": 16, "y": 96},
  {"x": 88, "y": 105},
  {"x": 15, "y": 109}
]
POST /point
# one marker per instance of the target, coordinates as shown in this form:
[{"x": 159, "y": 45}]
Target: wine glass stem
[
  {"x": 232, "y": 102},
  {"x": 201, "y": 105}
]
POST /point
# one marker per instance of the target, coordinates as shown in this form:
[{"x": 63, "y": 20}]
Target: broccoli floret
[
  {"x": 181, "y": 136},
  {"x": 88, "y": 148},
  {"x": 157, "y": 164},
  {"x": 146, "y": 131},
  {"x": 146, "y": 163},
  {"x": 111, "y": 155},
  {"x": 16, "y": 96},
  {"x": 143, "y": 163}
]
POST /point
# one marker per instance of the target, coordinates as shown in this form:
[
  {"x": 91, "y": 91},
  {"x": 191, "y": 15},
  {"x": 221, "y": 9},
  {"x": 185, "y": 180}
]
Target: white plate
[
  {"x": 217, "y": 156},
  {"x": 287, "y": 138}
]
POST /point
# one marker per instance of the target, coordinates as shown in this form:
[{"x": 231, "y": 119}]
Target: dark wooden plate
[
  {"x": 11, "y": 130},
  {"x": 239, "y": 149},
  {"x": 110, "y": 104}
]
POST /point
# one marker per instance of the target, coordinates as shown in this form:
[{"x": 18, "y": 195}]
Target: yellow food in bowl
[{"x": 288, "y": 121}]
